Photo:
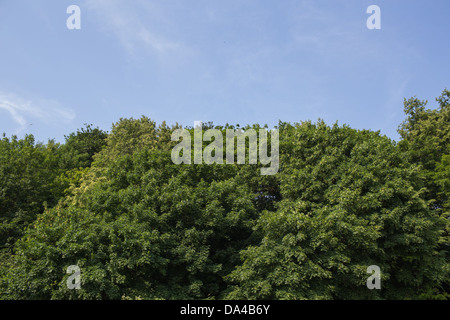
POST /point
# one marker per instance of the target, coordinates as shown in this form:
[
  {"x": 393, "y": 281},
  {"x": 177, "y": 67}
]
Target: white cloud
[
  {"x": 125, "y": 21},
  {"x": 23, "y": 111}
]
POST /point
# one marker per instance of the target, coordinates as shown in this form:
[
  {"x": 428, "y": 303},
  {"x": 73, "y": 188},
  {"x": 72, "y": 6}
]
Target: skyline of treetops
[{"x": 139, "y": 225}]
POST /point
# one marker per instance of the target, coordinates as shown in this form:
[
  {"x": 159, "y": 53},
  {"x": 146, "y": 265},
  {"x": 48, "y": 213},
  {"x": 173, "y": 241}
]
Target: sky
[{"x": 225, "y": 61}]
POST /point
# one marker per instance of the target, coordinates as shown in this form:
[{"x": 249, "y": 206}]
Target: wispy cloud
[
  {"x": 124, "y": 19},
  {"x": 23, "y": 111}
]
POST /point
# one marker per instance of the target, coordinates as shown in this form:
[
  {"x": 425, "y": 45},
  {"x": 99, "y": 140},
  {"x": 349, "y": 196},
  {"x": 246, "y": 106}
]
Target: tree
[
  {"x": 426, "y": 138},
  {"x": 140, "y": 226},
  {"x": 81, "y": 146},
  {"x": 34, "y": 176},
  {"x": 28, "y": 173},
  {"x": 349, "y": 200}
]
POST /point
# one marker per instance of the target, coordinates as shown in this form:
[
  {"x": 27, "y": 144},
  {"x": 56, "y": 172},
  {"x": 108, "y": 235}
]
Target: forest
[{"x": 139, "y": 226}]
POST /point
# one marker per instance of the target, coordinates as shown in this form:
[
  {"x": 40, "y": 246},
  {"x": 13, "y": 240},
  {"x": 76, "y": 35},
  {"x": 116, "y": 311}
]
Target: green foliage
[
  {"x": 130, "y": 135},
  {"x": 111, "y": 253},
  {"x": 81, "y": 146},
  {"x": 141, "y": 227},
  {"x": 27, "y": 183},
  {"x": 185, "y": 227},
  {"x": 34, "y": 176},
  {"x": 442, "y": 179},
  {"x": 350, "y": 200},
  {"x": 426, "y": 138}
]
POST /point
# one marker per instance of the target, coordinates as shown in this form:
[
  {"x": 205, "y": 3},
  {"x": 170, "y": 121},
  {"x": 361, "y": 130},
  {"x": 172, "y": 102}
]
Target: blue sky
[{"x": 228, "y": 61}]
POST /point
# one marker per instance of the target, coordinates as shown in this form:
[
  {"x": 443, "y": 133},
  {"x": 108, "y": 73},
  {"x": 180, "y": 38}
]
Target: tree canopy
[{"x": 141, "y": 227}]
